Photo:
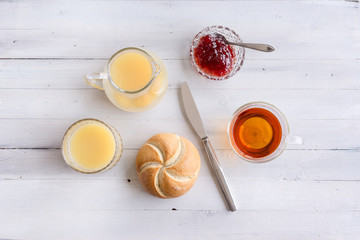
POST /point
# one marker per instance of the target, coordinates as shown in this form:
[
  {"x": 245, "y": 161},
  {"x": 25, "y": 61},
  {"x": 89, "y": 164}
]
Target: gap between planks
[
  {"x": 298, "y": 149},
  {"x": 137, "y": 181},
  {"x": 175, "y": 59}
]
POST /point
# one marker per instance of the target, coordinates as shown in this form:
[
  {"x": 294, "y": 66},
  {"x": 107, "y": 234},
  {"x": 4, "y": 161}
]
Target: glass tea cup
[
  {"x": 146, "y": 94},
  {"x": 259, "y": 132}
]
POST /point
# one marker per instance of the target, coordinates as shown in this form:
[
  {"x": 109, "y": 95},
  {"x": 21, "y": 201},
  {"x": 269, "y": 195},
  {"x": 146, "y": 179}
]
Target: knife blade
[
  {"x": 192, "y": 112},
  {"x": 194, "y": 117}
]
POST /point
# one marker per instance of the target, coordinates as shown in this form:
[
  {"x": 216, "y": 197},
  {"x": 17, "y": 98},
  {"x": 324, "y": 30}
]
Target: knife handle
[{"x": 216, "y": 168}]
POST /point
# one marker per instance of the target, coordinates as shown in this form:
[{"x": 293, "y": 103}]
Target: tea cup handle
[
  {"x": 93, "y": 79},
  {"x": 291, "y": 139}
]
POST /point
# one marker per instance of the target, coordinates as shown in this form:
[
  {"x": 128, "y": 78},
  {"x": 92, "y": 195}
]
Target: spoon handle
[{"x": 255, "y": 46}]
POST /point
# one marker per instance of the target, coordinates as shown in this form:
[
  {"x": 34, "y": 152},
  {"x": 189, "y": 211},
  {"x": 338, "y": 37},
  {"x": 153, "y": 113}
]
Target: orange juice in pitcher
[{"x": 134, "y": 80}]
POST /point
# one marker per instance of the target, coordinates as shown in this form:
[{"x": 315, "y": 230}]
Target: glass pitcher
[{"x": 132, "y": 100}]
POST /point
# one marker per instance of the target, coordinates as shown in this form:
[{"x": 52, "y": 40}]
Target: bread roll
[{"x": 167, "y": 165}]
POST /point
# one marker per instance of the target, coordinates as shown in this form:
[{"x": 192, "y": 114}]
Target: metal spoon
[{"x": 255, "y": 46}]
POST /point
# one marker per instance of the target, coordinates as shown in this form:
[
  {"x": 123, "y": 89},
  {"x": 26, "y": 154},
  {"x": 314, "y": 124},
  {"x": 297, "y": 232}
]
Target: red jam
[{"x": 213, "y": 56}]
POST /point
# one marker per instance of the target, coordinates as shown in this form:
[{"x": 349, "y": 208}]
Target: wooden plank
[
  {"x": 255, "y": 74},
  {"x": 48, "y": 133},
  {"x": 102, "y": 15},
  {"x": 83, "y": 44},
  {"x": 213, "y": 104},
  {"x": 112, "y": 224},
  {"x": 35, "y": 35},
  {"x": 261, "y": 195},
  {"x": 292, "y": 165}
]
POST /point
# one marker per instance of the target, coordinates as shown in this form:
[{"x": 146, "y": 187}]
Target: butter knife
[{"x": 195, "y": 119}]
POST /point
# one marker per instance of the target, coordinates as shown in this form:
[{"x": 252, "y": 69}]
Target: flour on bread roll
[{"x": 167, "y": 165}]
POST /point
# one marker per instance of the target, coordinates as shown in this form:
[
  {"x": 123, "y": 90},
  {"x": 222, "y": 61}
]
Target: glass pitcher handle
[
  {"x": 291, "y": 139},
  {"x": 93, "y": 79}
]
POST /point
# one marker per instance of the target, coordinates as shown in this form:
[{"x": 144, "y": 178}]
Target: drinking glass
[
  {"x": 67, "y": 140},
  {"x": 286, "y": 137}
]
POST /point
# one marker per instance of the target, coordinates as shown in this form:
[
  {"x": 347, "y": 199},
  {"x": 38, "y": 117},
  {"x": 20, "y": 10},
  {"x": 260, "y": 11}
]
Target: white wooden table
[{"x": 309, "y": 192}]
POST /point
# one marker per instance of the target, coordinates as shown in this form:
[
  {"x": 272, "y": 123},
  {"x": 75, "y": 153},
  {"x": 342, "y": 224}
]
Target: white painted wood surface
[{"x": 310, "y": 192}]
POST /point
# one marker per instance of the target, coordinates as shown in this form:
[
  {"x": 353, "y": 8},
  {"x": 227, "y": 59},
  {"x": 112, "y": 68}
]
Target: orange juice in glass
[
  {"x": 90, "y": 146},
  {"x": 134, "y": 80}
]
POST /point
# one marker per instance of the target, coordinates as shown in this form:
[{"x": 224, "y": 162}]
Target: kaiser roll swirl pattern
[{"x": 167, "y": 165}]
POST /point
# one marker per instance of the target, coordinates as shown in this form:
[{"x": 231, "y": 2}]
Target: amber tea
[{"x": 257, "y": 132}]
